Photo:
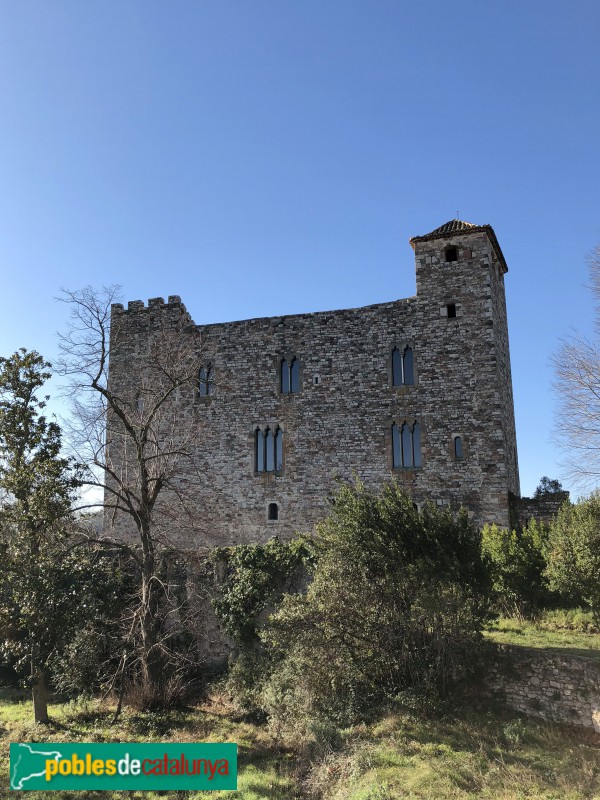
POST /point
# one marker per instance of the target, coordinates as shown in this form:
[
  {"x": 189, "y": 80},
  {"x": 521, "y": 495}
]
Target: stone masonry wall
[
  {"x": 543, "y": 508},
  {"x": 497, "y": 297},
  {"x": 338, "y": 426},
  {"x": 549, "y": 684}
]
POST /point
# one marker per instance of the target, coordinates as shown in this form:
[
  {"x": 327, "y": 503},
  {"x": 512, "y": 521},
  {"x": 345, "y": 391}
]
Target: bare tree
[
  {"x": 577, "y": 368},
  {"x": 126, "y": 430}
]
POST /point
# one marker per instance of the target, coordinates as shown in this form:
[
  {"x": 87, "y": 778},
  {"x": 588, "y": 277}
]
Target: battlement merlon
[
  {"x": 153, "y": 303},
  {"x": 140, "y": 315}
]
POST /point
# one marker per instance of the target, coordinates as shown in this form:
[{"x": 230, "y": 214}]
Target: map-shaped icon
[{"x": 29, "y": 761}]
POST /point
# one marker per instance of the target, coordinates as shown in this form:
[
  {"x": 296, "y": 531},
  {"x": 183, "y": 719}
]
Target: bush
[
  {"x": 573, "y": 553},
  {"x": 255, "y": 578},
  {"x": 570, "y": 619},
  {"x": 247, "y": 674},
  {"x": 396, "y": 606},
  {"x": 167, "y": 694},
  {"x": 517, "y": 567},
  {"x": 89, "y": 584}
]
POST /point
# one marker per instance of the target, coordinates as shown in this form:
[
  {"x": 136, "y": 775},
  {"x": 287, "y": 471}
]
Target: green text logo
[{"x": 123, "y": 766}]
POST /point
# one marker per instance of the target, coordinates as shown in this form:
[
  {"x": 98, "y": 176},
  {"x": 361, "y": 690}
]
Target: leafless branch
[
  {"x": 577, "y": 384},
  {"x": 126, "y": 432}
]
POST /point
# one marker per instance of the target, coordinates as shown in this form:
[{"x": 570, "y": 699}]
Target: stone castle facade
[{"x": 418, "y": 390}]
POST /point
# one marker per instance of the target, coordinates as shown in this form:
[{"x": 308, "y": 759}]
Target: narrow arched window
[
  {"x": 260, "y": 450},
  {"x": 205, "y": 381},
  {"x": 295, "y": 375},
  {"x": 458, "y": 447},
  {"x": 278, "y": 450},
  {"x": 290, "y": 376},
  {"x": 270, "y": 451},
  {"x": 416, "y": 440},
  {"x": 396, "y": 367},
  {"x": 273, "y": 512},
  {"x": 407, "y": 446},
  {"x": 396, "y": 449},
  {"x": 285, "y": 377},
  {"x": 452, "y": 253},
  {"x": 408, "y": 373}
]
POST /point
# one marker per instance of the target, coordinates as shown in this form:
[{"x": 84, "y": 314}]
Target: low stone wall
[
  {"x": 548, "y": 684},
  {"x": 543, "y": 508}
]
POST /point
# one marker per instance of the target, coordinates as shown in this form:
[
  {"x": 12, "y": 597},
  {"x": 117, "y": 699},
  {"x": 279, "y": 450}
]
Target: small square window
[{"x": 451, "y": 309}]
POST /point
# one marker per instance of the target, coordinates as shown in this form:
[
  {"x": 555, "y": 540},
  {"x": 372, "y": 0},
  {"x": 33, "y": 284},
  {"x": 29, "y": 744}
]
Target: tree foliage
[
  {"x": 573, "y": 553},
  {"x": 517, "y": 566},
  {"x": 38, "y": 600},
  {"x": 397, "y": 604},
  {"x": 547, "y": 486}
]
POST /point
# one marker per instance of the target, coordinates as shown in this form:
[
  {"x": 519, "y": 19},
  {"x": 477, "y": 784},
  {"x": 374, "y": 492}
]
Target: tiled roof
[{"x": 454, "y": 226}]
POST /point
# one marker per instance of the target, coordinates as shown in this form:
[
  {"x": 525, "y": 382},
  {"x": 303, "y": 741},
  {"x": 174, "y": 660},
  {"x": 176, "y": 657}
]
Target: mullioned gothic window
[
  {"x": 268, "y": 444},
  {"x": 406, "y": 445},
  {"x": 403, "y": 371},
  {"x": 290, "y": 376},
  {"x": 206, "y": 384}
]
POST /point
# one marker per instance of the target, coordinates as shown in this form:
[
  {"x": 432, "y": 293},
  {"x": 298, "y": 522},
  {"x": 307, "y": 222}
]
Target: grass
[
  {"x": 568, "y": 631},
  {"x": 493, "y": 755},
  {"x": 262, "y": 764}
]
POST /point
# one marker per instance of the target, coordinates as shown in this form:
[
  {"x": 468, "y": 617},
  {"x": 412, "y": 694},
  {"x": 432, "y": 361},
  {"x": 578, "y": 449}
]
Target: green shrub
[
  {"x": 517, "y": 567},
  {"x": 255, "y": 577},
  {"x": 396, "y": 605},
  {"x": 247, "y": 674},
  {"x": 573, "y": 553},
  {"x": 570, "y": 619},
  {"x": 514, "y": 732}
]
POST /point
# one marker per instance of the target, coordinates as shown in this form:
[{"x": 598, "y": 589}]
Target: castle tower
[{"x": 460, "y": 272}]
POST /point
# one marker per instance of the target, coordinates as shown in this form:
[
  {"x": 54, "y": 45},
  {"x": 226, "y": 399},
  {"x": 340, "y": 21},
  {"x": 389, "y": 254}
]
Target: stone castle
[{"x": 417, "y": 389}]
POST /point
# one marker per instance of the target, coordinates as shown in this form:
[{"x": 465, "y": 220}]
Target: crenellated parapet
[
  {"x": 154, "y": 303},
  {"x": 143, "y": 335}
]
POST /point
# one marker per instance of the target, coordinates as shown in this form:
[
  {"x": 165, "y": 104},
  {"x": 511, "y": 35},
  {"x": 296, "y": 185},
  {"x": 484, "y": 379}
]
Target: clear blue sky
[{"x": 273, "y": 157}]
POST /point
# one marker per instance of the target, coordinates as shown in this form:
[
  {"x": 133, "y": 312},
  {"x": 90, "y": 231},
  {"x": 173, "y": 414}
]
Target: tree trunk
[
  {"x": 39, "y": 693},
  {"x": 150, "y": 656}
]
